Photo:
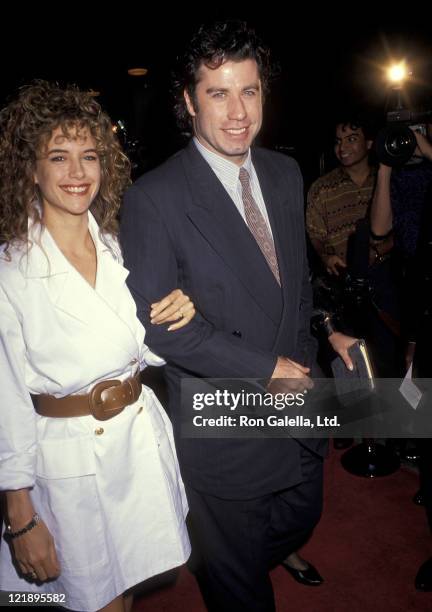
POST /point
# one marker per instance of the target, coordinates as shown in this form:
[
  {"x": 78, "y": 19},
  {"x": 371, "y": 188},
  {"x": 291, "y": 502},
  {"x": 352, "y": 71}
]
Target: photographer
[
  {"x": 398, "y": 205},
  {"x": 403, "y": 202}
]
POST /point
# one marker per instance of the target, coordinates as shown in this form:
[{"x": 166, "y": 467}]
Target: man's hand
[
  {"x": 409, "y": 354},
  {"x": 424, "y": 147},
  {"x": 289, "y": 376},
  {"x": 333, "y": 263},
  {"x": 341, "y": 344}
]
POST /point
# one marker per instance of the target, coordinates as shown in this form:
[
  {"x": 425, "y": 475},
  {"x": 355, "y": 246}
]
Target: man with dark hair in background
[
  {"x": 224, "y": 221},
  {"x": 337, "y": 200},
  {"x": 361, "y": 278}
]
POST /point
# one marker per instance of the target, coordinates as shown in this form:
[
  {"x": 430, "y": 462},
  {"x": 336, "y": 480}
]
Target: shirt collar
[
  {"x": 226, "y": 171},
  {"x": 369, "y": 180}
]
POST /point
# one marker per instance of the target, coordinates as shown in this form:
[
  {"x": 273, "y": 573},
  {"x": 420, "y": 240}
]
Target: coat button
[
  {"x": 237, "y": 333},
  {"x": 99, "y": 431},
  {"x": 139, "y": 410}
]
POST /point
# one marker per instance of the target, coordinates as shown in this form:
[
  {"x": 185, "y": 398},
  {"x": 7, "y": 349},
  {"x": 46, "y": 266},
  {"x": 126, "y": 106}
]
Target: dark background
[{"x": 329, "y": 59}]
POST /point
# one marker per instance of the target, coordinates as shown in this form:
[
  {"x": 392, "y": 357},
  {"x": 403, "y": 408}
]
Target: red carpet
[{"x": 368, "y": 546}]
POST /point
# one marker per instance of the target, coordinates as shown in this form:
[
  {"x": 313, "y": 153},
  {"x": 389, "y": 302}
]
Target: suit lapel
[
  {"x": 217, "y": 218},
  {"x": 288, "y": 233}
]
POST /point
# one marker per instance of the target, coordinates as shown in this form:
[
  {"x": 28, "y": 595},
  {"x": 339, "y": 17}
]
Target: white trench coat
[{"x": 110, "y": 492}]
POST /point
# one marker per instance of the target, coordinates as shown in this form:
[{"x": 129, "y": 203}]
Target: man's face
[
  {"x": 351, "y": 146},
  {"x": 227, "y": 108}
]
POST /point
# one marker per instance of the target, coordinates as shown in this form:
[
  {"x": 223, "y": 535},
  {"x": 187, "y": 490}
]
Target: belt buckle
[{"x": 96, "y": 402}]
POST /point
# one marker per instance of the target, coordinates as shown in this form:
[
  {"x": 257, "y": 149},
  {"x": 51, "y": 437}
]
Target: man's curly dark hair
[
  {"x": 212, "y": 45},
  {"x": 26, "y": 125},
  {"x": 356, "y": 119}
]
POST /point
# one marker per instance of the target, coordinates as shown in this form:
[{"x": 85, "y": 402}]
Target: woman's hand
[
  {"x": 34, "y": 550},
  {"x": 36, "y": 554},
  {"x": 341, "y": 344},
  {"x": 174, "y": 307}
]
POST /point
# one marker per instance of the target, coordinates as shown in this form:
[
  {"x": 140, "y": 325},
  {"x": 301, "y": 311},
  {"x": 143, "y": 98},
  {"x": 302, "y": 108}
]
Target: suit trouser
[{"x": 236, "y": 542}]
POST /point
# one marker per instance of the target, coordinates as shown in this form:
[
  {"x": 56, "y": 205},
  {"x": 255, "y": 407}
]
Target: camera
[{"x": 395, "y": 143}]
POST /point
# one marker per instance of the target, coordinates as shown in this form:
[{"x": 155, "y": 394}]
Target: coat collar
[
  {"x": 44, "y": 258},
  {"x": 71, "y": 293},
  {"x": 225, "y": 170}
]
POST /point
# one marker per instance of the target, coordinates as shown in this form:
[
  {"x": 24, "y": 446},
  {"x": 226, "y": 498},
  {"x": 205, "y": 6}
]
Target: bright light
[
  {"x": 137, "y": 71},
  {"x": 397, "y": 73}
]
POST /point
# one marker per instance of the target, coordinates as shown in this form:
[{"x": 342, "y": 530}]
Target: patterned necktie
[{"x": 257, "y": 224}]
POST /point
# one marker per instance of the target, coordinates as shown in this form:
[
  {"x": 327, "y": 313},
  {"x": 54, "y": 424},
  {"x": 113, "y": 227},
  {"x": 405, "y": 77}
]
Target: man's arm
[
  {"x": 306, "y": 346},
  {"x": 381, "y": 215},
  {"x": 150, "y": 256}
]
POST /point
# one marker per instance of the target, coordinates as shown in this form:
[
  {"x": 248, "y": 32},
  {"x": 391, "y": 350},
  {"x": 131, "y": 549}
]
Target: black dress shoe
[
  {"x": 423, "y": 580},
  {"x": 309, "y": 576},
  {"x": 418, "y": 498},
  {"x": 342, "y": 443}
]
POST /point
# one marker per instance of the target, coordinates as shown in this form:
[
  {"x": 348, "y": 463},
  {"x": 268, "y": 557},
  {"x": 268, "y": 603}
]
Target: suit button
[
  {"x": 99, "y": 431},
  {"x": 237, "y": 333}
]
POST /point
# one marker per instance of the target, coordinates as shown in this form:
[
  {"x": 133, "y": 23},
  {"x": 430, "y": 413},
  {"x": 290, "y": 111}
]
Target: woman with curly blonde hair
[{"x": 94, "y": 498}]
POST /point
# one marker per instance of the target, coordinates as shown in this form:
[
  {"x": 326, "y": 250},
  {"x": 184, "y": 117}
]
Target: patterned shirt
[{"x": 335, "y": 204}]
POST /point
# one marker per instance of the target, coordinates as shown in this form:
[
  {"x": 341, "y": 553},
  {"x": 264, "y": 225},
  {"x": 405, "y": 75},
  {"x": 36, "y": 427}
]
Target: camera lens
[{"x": 395, "y": 145}]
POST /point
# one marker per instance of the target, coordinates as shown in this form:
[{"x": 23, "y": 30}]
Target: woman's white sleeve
[
  {"x": 151, "y": 359},
  {"x": 17, "y": 415}
]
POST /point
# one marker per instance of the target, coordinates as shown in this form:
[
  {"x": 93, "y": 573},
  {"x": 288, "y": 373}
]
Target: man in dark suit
[{"x": 226, "y": 224}]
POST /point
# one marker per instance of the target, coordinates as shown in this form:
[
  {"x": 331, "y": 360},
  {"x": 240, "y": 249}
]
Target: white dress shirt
[{"x": 228, "y": 174}]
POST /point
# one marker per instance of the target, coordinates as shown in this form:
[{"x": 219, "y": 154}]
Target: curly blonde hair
[{"x": 26, "y": 125}]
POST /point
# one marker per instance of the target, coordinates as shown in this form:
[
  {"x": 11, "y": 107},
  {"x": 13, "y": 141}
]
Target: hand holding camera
[
  {"x": 424, "y": 147},
  {"x": 403, "y": 139}
]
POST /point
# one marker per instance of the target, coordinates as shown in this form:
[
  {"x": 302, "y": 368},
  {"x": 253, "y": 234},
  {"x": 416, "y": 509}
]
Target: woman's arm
[{"x": 34, "y": 550}]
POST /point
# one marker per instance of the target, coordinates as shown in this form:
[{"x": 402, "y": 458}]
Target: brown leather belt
[{"x": 105, "y": 400}]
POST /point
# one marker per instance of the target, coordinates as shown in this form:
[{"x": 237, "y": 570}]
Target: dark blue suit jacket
[{"x": 179, "y": 228}]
